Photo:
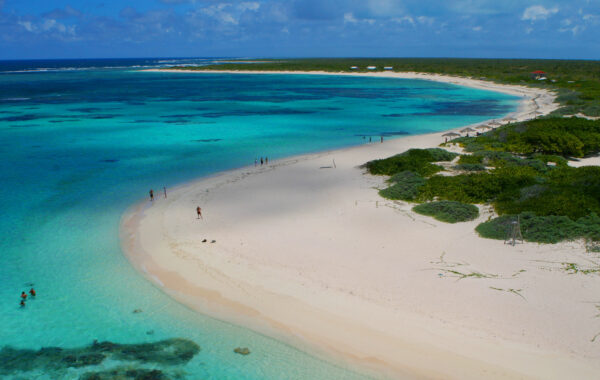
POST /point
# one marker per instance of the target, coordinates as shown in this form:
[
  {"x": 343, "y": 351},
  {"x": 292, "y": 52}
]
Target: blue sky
[{"x": 299, "y": 28}]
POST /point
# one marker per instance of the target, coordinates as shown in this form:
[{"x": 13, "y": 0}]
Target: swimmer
[
  {"x": 22, "y": 303},
  {"x": 32, "y": 292},
  {"x": 23, "y": 295}
]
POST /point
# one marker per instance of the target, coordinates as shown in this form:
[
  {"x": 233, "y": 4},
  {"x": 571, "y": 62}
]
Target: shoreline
[
  {"x": 541, "y": 98},
  {"x": 300, "y": 255}
]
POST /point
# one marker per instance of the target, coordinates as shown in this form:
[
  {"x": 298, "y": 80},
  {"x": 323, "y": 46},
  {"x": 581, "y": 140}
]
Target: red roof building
[{"x": 538, "y": 74}]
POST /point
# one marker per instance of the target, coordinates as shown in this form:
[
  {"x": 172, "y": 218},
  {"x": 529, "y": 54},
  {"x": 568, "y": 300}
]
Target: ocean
[{"x": 82, "y": 140}]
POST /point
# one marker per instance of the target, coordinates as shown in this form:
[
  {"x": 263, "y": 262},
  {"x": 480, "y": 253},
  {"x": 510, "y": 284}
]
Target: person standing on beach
[
  {"x": 199, "y": 212},
  {"x": 151, "y": 195},
  {"x": 261, "y": 161},
  {"x": 165, "y": 190},
  {"x": 255, "y": 162},
  {"x": 266, "y": 160},
  {"x": 382, "y": 139}
]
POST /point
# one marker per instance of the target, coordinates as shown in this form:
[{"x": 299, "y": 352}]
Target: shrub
[
  {"x": 543, "y": 229},
  {"x": 576, "y": 137},
  {"x": 470, "y": 167},
  {"x": 416, "y": 160},
  {"x": 405, "y": 186},
  {"x": 470, "y": 159},
  {"x": 448, "y": 211},
  {"x": 501, "y": 183}
]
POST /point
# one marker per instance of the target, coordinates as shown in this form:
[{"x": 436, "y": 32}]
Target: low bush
[
  {"x": 503, "y": 183},
  {"x": 470, "y": 159},
  {"x": 448, "y": 211},
  {"x": 405, "y": 186},
  {"x": 470, "y": 167},
  {"x": 418, "y": 161},
  {"x": 571, "y": 137},
  {"x": 543, "y": 229}
]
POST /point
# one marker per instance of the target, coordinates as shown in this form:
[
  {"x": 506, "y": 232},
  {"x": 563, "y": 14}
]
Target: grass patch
[{"x": 448, "y": 211}]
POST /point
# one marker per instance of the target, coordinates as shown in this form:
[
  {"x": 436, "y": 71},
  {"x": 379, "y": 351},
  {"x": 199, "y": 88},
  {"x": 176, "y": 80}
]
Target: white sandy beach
[{"x": 310, "y": 253}]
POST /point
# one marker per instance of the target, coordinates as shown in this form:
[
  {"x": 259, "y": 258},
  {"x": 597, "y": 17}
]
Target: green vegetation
[
  {"x": 470, "y": 167},
  {"x": 470, "y": 159},
  {"x": 527, "y": 176},
  {"x": 418, "y": 161},
  {"x": 543, "y": 229},
  {"x": 448, "y": 211},
  {"x": 571, "y": 137},
  {"x": 577, "y": 82},
  {"x": 405, "y": 186}
]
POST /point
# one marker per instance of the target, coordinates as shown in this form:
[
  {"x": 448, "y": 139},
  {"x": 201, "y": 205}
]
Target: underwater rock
[
  {"x": 126, "y": 373},
  {"x": 170, "y": 351},
  {"x": 137, "y": 311},
  {"x": 242, "y": 351},
  {"x": 166, "y": 352}
]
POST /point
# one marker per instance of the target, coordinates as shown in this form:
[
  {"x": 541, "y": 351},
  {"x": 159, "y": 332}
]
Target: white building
[{"x": 371, "y": 67}]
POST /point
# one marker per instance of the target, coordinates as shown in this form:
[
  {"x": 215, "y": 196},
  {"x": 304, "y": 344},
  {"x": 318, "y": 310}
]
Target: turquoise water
[{"x": 79, "y": 147}]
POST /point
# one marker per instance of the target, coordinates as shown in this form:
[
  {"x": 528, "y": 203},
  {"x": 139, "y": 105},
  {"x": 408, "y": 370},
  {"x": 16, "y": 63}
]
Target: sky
[{"x": 40, "y": 29}]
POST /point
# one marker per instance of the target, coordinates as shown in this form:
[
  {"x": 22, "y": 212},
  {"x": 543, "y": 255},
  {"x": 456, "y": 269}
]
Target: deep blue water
[{"x": 80, "y": 141}]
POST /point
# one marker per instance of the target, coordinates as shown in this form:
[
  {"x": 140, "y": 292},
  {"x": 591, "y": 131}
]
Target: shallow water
[{"x": 78, "y": 147}]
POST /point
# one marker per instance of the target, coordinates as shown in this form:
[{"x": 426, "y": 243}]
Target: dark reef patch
[
  {"x": 181, "y": 116},
  {"x": 86, "y": 109},
  {"x": 25, "y": 117},
  {"x": 206, "y": 140},
  {"x": 110, "y": 160},
  {"x": 174, "y": 351},
  {"x": 483, "y": 107},
  {"x": 126, "y": 373},
  {"x": 105, "y": 116},
  {"x": 177, "y": 121},
  {"x": 284, "y": 111}
]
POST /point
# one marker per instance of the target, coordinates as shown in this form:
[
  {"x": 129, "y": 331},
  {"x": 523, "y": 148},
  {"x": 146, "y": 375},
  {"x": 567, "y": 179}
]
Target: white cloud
[
  {"x": 249, "y": 6},
  {"x": 405, "y": 19},
  {"x": 538, "y": 12},
  {"x": 425, "y": 20},
  {"x": 349, "y": 18},
  {"x": 27, "y": 25},
  {"x": 575, "y": 30},
  {"x": 477, "y": 28},
  {"x": 591, "y": 18}
]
